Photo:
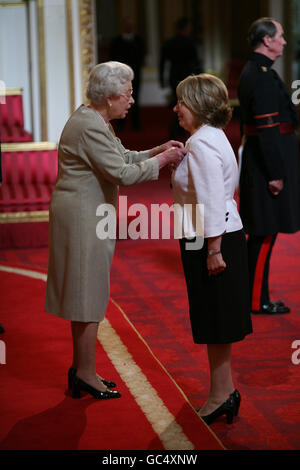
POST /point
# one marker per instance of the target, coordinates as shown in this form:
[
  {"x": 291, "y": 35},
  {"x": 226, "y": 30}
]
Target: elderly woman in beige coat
[{"x": 92, "y": 163}]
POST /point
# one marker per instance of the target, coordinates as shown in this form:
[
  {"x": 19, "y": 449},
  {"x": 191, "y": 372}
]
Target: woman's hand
[
  {"x": 170, "y": 144},
  {"x": 173, "y": 154},
  {"x": 215, "y": 264},
  {"x": 166, "y": 146}
]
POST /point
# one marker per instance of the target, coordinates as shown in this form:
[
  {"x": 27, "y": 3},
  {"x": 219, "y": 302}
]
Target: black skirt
[{"x": 219, "y": 305}]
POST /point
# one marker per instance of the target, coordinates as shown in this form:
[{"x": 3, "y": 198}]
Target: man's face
[{"x": 277, "y": 43}]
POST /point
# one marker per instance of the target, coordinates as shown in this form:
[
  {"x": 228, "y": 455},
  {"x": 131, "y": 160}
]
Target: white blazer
[{"x": 208, "y": 175}]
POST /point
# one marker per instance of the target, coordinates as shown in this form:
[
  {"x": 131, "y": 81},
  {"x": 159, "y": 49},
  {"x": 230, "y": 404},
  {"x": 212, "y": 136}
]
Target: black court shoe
[
  {"x": 237, "y": 400},
  {"x": 228, "y": 408},
  {"x": 72, "y": 373},
  {"x": 79, "y": 386}
]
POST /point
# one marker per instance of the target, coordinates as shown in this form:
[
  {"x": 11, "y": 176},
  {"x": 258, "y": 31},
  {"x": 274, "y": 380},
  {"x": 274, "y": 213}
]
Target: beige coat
[{"x": 92, "y": 162}]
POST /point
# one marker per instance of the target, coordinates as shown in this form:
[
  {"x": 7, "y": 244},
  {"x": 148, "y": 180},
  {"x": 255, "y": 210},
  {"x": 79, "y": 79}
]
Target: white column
[
  {"x": 151, "y": 94},
  {"x": 34, "y": 71},
  {"x": 276, "y": 12},
  {"x": 213, "y": 43},
  {"x": 57, "y": 70},
  {"x": 151, "y": 16},
  {"x": 76, "y": 54}
]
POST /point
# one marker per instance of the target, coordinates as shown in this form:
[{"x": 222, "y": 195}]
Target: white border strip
[{"x": 24, "y": 272}]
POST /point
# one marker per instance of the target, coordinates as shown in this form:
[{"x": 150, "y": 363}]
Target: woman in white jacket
[{"x": 217, "y": 274}]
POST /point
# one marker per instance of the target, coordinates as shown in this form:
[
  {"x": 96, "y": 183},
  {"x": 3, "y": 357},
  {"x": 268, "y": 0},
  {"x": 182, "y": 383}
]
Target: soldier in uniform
[{"x": 270, "y": 173}]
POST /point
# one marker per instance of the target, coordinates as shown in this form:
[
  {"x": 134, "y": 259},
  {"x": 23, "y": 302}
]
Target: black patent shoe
[
  {"x": 273, "y": 308},
  {"x": 79, "y": 386},
  {"x": 72, "y": 373},
  {"x": 237, "y": 400},
  {"x": 280, "y": 305},
  {"x": 228, "y": 408}
]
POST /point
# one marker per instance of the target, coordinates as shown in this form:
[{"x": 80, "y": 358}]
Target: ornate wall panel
[{"x": 87, "y": 40}]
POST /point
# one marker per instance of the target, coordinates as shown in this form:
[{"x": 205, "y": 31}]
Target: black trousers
[{"x": 259, "y": 255}]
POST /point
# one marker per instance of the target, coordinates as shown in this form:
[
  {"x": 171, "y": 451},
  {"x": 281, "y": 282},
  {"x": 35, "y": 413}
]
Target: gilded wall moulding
[
  {"x": 21, "y": 217},
  {"x": 87, "y": 40},
  {"x": 27, "y": 146}
]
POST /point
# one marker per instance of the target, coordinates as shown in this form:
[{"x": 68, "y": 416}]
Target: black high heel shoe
[
  {"x": 228, "y": 408},
  {"x": 79, "y": 386},
  {"x": 72, "y": 373},
  {"x": 237, "y": 400}
]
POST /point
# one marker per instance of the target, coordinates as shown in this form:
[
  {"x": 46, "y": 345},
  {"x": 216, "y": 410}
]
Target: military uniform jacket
[{"x": 271, "y": 152}]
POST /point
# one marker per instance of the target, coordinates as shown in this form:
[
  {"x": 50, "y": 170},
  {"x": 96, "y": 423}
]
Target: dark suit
[
  {"x": 271, "y": 152},
  {"x": 181, "y": 53},
  {"x": 130, "y": 50}
]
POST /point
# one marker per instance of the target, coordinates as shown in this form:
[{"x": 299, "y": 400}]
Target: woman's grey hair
[
  {"x": 259, "y": 29},
  {"x": 106, "y": 80}
]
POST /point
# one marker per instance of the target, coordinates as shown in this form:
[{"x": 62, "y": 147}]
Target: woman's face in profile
[
  {"x": 186, "y": 117},
  {"x": 121, "y": 104}
]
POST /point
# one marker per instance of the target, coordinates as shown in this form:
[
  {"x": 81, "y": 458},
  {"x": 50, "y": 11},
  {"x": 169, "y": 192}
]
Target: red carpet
[
  {"x": 147, "y": 282},
  {"x": 37, "y": 411}
]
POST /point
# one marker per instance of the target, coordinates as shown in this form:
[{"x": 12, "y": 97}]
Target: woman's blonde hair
[{"x": 207, "y": 97}]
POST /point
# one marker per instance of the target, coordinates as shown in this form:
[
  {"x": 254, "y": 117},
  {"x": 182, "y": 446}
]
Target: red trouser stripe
[{"x": 259, "y": 272}]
